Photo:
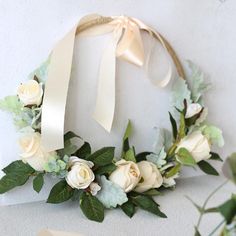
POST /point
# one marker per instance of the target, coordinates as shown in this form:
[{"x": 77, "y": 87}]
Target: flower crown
[{"x": 99, "y": 180}]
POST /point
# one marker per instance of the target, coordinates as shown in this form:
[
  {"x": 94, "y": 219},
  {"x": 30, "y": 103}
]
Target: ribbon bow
[{"x": 126, "y": 44}]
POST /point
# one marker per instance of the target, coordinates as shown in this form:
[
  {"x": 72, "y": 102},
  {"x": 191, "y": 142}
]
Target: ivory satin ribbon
[{"x": 126, "y": 44}]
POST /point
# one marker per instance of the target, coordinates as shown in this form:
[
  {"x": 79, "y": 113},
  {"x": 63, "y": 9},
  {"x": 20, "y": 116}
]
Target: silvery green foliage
[
  {"x": 56, "y": 167},
  {"x": 196, "y": 83},
  {"x": 22, "y": 116},
  {"x": 41, "y": 72},
  {"x": 162, "y": 144},
  {"x": 111, "y": 194},
  {"x": 180, "y": 91},
  {"x": 158, "y": 158},
  {"x": 214, "y": 134},
  {"x": 11, "y": 104}
]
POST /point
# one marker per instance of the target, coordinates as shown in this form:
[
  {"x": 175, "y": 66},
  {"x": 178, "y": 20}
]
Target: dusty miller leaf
[
  {"x": 180, "y": 91},
  {"x": 111, "y": 194},
  {"x": 196, "y": 82}
]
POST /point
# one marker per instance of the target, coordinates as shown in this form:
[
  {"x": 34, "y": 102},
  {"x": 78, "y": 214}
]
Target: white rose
[
  {"x": 94, "y": 188},
  {"x": 197, "y": 144},
  {"x": 127, "y": 175},
  {"x": 80, "y": 175},
  {"x": 150, "y": 177},
  {"x": 192, "y": 110},
  {"x": 30, "y": 93},
  {"x": 32, "y": 151}
]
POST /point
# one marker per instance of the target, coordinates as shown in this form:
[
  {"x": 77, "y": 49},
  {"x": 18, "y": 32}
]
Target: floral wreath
[{"x": 99, "y": 180}]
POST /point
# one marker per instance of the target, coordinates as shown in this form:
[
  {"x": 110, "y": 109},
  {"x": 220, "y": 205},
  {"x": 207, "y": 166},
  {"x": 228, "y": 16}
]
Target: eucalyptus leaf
[
  {"x": 184, "y": 157},
  {"x": 214, "y": 134},
  {"x": 111, "y": 194},
  {"x": 91, "y": 207}
]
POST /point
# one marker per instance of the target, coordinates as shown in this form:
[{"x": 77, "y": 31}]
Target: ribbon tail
[
  {"x": 56, "y": 87},
  {"x": 105, "y": 103}
]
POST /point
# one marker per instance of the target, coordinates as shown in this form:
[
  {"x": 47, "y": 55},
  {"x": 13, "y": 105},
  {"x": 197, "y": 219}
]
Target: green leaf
[
  {"x": 214, "y": 134},
  {"x": 102, "y": 157},
  {"x": 197, "y": 233},
  {"x": 229, "y": 167},
  {"x": 130, "y": 155},
  {"x": 11, "y": 104},
  {"x": 128, "y": 131},
  {"x": 128, "y": 208},
  {"x": 181, "y": 133},
  {"x": 192, "y": 120},
  {"x": 19, "y": 167},
  {"x": 69, "y": 149},
  {"x": 173, "y": 171},
  {"x": 207, "y": 168},
  {"x": 148, "y": 204},
  {"x": 83, "y": 151},
  {"x": 108, "y": 169},
  {"x": 215, "y": 156},
  {"x": 111, "y": 194},
  {"x": 199, "y": 208},
  {"x": 152, "y": 192},
  {"x": 91, "y": 207},
  {"x": 69, "y": 135},
  {"x": 228, "y": 209},
  {"x": 38, "y": 182},
  {"x": 60, "y": 192},
  {"x": 196, "y": 82},
  {"x": 174, "y": 126},
  {"x": 142, "y": 156},
  {"x": 184, "y": 157},
  {"x": 11, "y": 181}
]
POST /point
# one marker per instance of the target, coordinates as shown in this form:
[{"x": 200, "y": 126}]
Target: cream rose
[
  {"x": 127, "y": 175},
  {"x": 30, "y": 93},
  {"x": 197, "y": 144},
  {"x": 32, "y": 151},
  {"x": 80, "y": 175},
  {"x": 192, "y": 110},
  {"x": 150, "y": 177}
]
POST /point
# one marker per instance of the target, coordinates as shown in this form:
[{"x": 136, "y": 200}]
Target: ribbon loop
[{"x": 126, "y": 44}]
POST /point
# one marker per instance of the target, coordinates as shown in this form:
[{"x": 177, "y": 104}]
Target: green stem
[
  {"x": 217, "y": 227},
  {"x": 206, "y": 201}
]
